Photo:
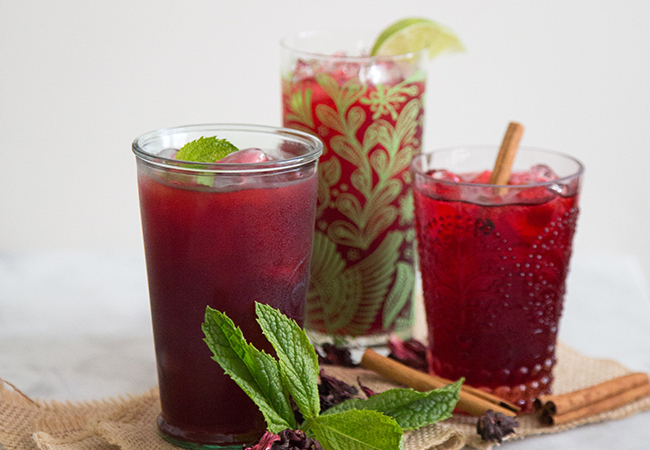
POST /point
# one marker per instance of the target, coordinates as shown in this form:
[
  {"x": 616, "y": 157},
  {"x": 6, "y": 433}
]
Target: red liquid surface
[
  {"x": 383, "y": 211},
  {"x": 494, "y": 281},
  {"x": 226, "y": 250}
]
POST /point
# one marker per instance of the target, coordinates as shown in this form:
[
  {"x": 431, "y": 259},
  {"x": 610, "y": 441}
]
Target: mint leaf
[
  {"x": 297, "y": 358},
  {"x": 356, "y": 430},
  {"x": 256, "y": 372},
  {"x": 411, "y": 409},
  {"x": 373, "y": 424},
  {"x": 205, "y": 149}
]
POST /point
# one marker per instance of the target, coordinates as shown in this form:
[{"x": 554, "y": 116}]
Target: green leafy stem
[{"x": 356, "y": 424}]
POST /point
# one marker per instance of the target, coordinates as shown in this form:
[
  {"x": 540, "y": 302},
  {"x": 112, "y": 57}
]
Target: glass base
[
  {"x": 524, "y": 394},
  {"x": 195, "y": 446},
  {"x": 176, "y": 437}
]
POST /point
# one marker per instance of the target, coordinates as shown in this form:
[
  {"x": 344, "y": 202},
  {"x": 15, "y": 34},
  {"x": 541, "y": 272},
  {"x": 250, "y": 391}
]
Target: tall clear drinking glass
[
  {"x": 225, "y": 235},
  {"x": 494, "y": 261},
  {"x": 369, "y": 113}
]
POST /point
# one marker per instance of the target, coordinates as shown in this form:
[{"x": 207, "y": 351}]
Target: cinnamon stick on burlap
[
  {"x": 471, "y": 401},
  {"x": 559, "y": 409}
]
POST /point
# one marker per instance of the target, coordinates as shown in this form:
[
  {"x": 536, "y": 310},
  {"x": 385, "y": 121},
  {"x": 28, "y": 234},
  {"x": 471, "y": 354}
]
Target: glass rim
[
  {"x": 309, "y": 140},
  {"x": 329, "y": 31},
  {"x": 560, "y": 180}
]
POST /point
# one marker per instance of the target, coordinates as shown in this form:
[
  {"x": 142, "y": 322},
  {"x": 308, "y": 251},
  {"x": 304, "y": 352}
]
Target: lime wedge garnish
[
  {"x": 414, "y": 34},
  {"x": 206, "y": 150}
]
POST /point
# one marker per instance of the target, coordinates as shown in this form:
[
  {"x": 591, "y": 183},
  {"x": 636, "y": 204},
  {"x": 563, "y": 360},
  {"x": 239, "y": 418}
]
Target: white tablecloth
[{"x": 76, "y": 326}]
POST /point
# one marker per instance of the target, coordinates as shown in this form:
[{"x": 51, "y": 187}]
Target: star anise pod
[
  {"x": 338, "y": 356},
  {"x": 333, "y": 391},
  {"x": 493, "y": 427},
  {"x": 295, "y": 440}
]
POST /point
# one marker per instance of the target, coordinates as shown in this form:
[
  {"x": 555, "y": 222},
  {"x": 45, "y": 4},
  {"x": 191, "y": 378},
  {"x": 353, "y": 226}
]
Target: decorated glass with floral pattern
[{"x": 369, "y": 113}]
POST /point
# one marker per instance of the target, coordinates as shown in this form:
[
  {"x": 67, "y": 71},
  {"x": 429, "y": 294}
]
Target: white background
[{"x": 80, "y": 80}]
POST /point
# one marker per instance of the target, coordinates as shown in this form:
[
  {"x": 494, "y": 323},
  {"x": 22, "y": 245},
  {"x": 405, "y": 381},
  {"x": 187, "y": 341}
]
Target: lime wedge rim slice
[{"x": 411, "y": 35}]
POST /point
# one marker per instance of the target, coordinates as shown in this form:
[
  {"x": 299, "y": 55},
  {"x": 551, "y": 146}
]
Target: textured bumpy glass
[
  {"x": 369, "y": 112},
  {"x": 494, "y": 264}
]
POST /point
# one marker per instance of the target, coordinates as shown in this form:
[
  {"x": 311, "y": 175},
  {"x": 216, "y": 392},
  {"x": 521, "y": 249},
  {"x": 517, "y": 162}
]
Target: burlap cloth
[{"x": 129, "y": 423}]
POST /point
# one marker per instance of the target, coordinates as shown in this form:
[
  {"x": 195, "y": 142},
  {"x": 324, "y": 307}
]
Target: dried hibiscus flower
[
  {"x": 493, "y": 427},
  {"x": 295, "y": 440},
  {"x": 411, "y": 352},
  {"x": 338, "y": 356},
  {"x": 333, "y": 391},
  {"x": 265, "y": 442},
  {"x": 365, "y": 389}
]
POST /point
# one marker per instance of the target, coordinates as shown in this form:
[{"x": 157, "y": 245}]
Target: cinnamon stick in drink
[
  {"x": 471, "y": 401},
  {"x": 503, "y": 164}
]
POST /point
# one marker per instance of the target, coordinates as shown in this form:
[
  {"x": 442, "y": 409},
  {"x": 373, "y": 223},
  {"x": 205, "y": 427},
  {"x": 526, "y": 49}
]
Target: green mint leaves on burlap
[
  {"x": 410, "y": 408},
  {"x": 376, "y": 423}
]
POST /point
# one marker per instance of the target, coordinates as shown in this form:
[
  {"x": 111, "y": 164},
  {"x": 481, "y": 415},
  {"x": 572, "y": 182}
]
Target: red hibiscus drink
[
  {"x": 368, "y": 111},
  {"x": 494, "y": 263},
  {"x": 225, "y": 235}
]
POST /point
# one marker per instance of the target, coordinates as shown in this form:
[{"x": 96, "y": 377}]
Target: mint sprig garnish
[
  {"x": 410, "y": 408},
  {"x": 373, "y": 424},
  {"x": 355, "y": 429},
  {"x": 206, "y": 150},
  {"x": 256, "y": 372},
  {"x": 297, "y": 357}
]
